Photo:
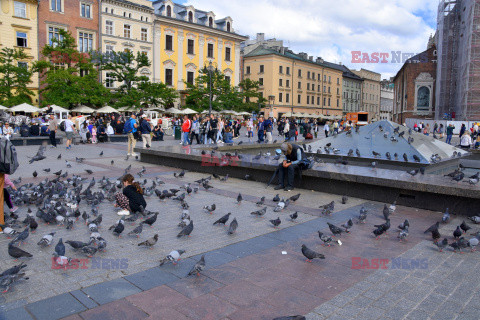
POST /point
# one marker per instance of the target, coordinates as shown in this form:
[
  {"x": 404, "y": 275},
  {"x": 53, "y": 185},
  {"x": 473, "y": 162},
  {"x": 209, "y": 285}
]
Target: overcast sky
[{"x": 333, "y": 29}]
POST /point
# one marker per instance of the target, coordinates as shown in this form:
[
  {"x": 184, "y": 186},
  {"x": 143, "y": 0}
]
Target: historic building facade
[
  {"x": 386, "y": 100},
  {"x": 370, "y": 92},
  {"x": 187, "y": 39},
  {"x": 295, "y": 82},
  {"x": 126, "y": 26},
  {"x": 414, "y": 87},
  {"x": 352, "y": 91},
  {"x": 18, "y": 29}
]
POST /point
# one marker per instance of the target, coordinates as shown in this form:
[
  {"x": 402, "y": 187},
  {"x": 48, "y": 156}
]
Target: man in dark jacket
[
  {"x": 145, "y": 130},
  {"x": 293, "y": 158}
]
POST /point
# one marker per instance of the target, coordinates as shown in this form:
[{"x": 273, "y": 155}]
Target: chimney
[
  {"x": 260, "y": 37},
  {"x": 282, "y": 50},
  {"x": 319, "y": 60},
  {"x": 310, "y": 58},
  {"x": 303, "y": 55}
]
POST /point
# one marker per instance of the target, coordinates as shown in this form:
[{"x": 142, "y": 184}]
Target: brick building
[{"x": 414, "y": 87}]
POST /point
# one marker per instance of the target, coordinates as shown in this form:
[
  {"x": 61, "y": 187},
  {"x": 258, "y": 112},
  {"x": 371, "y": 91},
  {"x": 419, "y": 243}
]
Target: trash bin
[{"x": 178, "y": 133}]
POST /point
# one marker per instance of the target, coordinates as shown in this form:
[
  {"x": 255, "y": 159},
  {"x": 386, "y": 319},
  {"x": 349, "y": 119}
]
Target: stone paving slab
[
  {"x": 55, "y": 308},
  {"x": 109, "y": 291}
]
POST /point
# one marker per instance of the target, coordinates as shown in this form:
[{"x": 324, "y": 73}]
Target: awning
[
  {"x": 3, "y": 108},
  {"x": 55, "y": 108},
  {"x": 107, "y": 109},
  {"x": 189, "y": 111},
  {"x": 24, "y": 107},
  {"x": 173, "y": 111},
  {"x": 83, "y": 109}
]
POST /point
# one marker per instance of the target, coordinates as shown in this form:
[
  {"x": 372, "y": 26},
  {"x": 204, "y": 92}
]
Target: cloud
[{"x": 332, "y": 29}]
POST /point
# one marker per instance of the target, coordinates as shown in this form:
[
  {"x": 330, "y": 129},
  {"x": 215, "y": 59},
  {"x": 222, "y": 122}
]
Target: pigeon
[
  {"x": 186, "y": 230},
  {"x": 13, "y": 270},
  {"x": 89, "y": 251},
  {"x": 8, "y": 280},
  {"x": 336, "y": 231},
  {"x": 261, "y": 202},
  {"x": 101, "y": 153},
  {"x": 327, "y": 240},
  {"x": 151, "y": 220},
  {"x": 179, "y": 175},
  {"x": 173, "y": 256},
  {"x": 416, "y": 158},
  {"x": 46, "y": 240},
  {"x": 136, "y": 232},
  {"x": 112, "y": 162},
  {"x": 276, "y": 198},
  {"x": 362, "y": 217},
  {"x": 60, "y": 248},
  {"x": 233, "y": 226},
  {"x": 348, "y": 225},
  {"x": 413, "y": 172},
  {"x": 403, "y": 234},
  {"x": 405, "y": 157},
  {"x": 68, "y": 164},
  {"x": 39, "y": 156},
  {"x": 310, "y": 254},
  {"x": 22, "y": 236},
  {"x": 223, "y": 220},
  {"x": 386, "y": 212},
  {"x": 149, "y": 242},
  {"x": 441, "y": 245},
  {"x": 276, "y": 222},
  {"x": 210, "y": 209},
  {"x": 457, "y": 233},
  {"x": 59, "y": 157},
  {"x": 259, "y": 212},
  {"x": 58, "y": 173},
  {"x": 294, "y": 216},
  {"x": 432, "y": 227},
  {"x": 295, "y": 197},
  {"x": 465, "y": 227},
  {"x": 16, "y": 253},
  {"x": 88, "y": 171},
  {"x": 239, "y": 198},
  {"x": 8, "y": 230},
  {"x": 404, "y": 224},
  {"x": 392, "y": 207},
  {"x": 475, "y": 219},
  {"x": 344, "y": 199},
  {"x": 119, "y": 228},
  {"x": 76, "y": 244},
  {"x": 35, "y": 174},
  {"x": 47, "y": 170},
  {"x": 446, "y": 216},
  {"x": 198, "y": 267}
]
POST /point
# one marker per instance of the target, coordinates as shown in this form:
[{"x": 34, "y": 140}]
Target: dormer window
[
  {"x": 169, "y": 11},
  {"x": 210, "y": 22},
  {"x": 228, "y": 27},
  {"x": 129, "y": 15},
  {"x": 190, "y": 16}
]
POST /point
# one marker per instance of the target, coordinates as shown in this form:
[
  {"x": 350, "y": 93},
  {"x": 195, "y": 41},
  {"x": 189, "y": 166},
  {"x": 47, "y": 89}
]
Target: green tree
[
  {"x": 70, "y": 77},
  {"x": 157, "y": 94},
  {"x": 14, "y": 77},
  {"x": 125, "y": 68},
  {"x": 250, "y": 92}
]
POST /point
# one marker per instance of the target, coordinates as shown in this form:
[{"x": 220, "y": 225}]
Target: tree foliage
[
  {"x": 14, "y": 78},
  {"x": 70, "y": 76}
]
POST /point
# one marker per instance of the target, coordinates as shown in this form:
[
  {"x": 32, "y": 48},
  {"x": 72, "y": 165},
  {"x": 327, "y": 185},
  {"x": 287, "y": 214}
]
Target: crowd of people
[{"x": 469, "y": 138}]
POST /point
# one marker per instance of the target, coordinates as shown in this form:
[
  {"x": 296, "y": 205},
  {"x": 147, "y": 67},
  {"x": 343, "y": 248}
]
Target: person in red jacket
[{"x": 187, "y": 124}]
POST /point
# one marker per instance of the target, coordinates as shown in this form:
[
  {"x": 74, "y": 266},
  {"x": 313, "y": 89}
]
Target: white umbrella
[
  {"x": 83, "y": 109},
  {"x": 3, "y": 108},
  {"x": 189, "y": 111},
  {"x": 244, "y": 113},
  {"x": 56, "y": 108},
  {"x": 174, "y": 111},
  {"x": 107, "y": 109},
  {"x": 25, "y": 107}
]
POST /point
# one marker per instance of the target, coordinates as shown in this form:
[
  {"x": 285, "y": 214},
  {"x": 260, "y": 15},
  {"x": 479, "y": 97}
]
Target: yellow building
[
  {"x": 187, "y": 39},
  {"x": 295, "y": 82},
  {"x": 18, "y": 29},
  {"x": 126, "y": 25}
]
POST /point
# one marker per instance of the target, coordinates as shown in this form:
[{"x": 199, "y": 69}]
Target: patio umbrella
[
  {"x": 83, "y": 109},
  {"x": 55, "y": 108},
  {"x": 107, "y": 109},
  {"x": 3, "y": 108},
  {"x": 25, "y": 107},
  {"x": 189, "y": 111},
  {"x": 173, "y": 111}
]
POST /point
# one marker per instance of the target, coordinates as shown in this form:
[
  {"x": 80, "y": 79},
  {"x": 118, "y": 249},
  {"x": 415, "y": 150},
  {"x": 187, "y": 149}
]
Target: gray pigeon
[
  {"x": 233, "y": 226},
  {"x": 186, "y": 230},
  {"x": 198, "y": 267},
  {"x": 136, "y": 232},
  {"x": 149, "y": 242},
  {"x": 173, "y": 256}
]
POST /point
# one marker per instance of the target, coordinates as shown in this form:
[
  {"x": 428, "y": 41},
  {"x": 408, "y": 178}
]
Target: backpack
[
  {"x": 8, "y": 157},
  {"x": 62, "y": 126},
  {"x": 128, "y": 127}
]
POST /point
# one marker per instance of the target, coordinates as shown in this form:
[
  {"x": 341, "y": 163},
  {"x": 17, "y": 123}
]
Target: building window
[
  {"x": 109, "y": 27},
  {"x": 191, "y": 46},
  {"x": 106, "y": 10},
  {"x": 280, "y": 82},
  {"x": 190, "y": 77},
  {"x": 338, "y": 103},
  {"x": 109, "y": 49},
  {"x": 53, "y": 33},
  {"x": 324, "y": 102},
  {"x": 262, "y": 68},
  {"x": 23, "y": 65},
  {"x": 126, "y": 31},
  {"x": 319, "y": 77},
  {"x": 85, "y": 42},
  {"x": 280, "y": 69},
  {"x": 328, "y": 89},
  {"x": 20, "y": 9},
  {"x": 287, "y": 98},
  {"x": 56, "y": 5},
  {"x": 228, "y": 27},
  {"x": 85, "y": 10},
  {"x": 287, "y": 83},
  {"x": 308, "y": 86},
  {"x": 299, "y": 85},
  {"x": 228, "y": 54},
  {"x": 109, "y": 80},
  {"x": 248, "y": 69},
  {"x": 21, "y": 39},
  {"x": 338, "y": 91},
  {"x": 169, "y": 42},
  {"x": 141, "y": 18},
  {"x": 280, "y": 97},
  {"x": 318, "y": 101},
  {"x": 287, "y": 70},
  {"x": 329, "y": 102},
  {"x": 329, "y": 79},
  {"x": 228, "y": 79},
  {"x": 169, "y": 11},
  {"x": 210, "y": 50},
  {"x": 318, "y": 88},
  {"x": 308, "y": 99},
  {"x": 313, "y": 75},
  {"x": 260, "y": 81},
  {"x": 210, "y": 22},
  {"x": 308, "y": 75},
  {"x": 130, "y": 15},
  {"x": 299, "y": 73},
  {"x": 190, "y": 16},
  {"x": 324, "y": 78},
  {"x": 338, "y": 80},
  {"x": 169, "y": 77},
  {"x": 144, "y": 34},
  {"x": 146, "y": 19},
  {"x": 299, "y": 99},
  {"x": 83, "y": 72},
  {"x": 111, "y": 11},
  {"x": 324, "y": 89}
]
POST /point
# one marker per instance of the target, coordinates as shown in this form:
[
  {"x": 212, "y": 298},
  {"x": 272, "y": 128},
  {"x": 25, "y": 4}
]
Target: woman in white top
[
  {"x": 110, "y": 130},
  {"x": 326, "y": 127},
  {"x": 7, "y": 131},
  {"x": 220, "y": 127},
  {"x": 466, "y": 141},
  {"x": 286, "y": 128}
]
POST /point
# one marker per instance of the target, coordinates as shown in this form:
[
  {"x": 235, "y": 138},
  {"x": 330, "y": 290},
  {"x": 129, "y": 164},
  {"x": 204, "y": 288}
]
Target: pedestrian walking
[{"x": 52, "y": 127}]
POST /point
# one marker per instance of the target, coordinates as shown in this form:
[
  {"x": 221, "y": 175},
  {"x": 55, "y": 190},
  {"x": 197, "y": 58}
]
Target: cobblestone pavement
[{"x": 259, "y": 273}]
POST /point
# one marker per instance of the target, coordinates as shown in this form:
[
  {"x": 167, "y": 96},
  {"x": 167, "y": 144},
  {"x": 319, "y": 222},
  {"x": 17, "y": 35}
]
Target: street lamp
[
  {"x": 211, "y": 68},
  {"x": 271, "y": 100}
]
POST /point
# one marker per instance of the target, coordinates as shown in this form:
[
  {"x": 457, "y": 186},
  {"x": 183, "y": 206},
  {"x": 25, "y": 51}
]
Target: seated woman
[
  {"x": 132, "y": 197},
  {"x": 465, "y": 141},
  {"x": 101, "y": 133},
  {"x": 44, "y": 131},
  {"x": 228, "y": 135},
  {"x": 158, "y": 132}
]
